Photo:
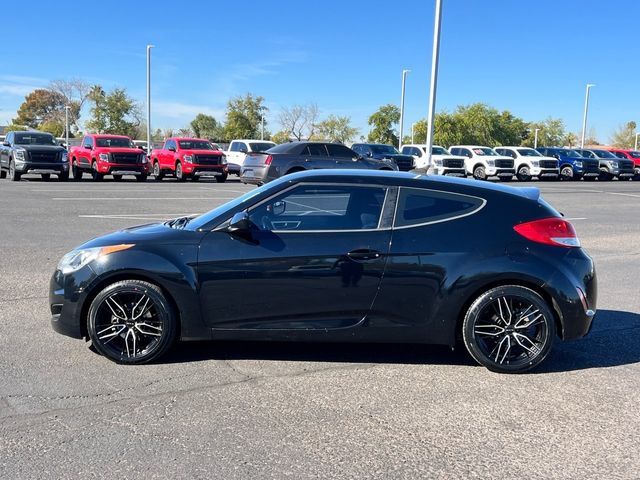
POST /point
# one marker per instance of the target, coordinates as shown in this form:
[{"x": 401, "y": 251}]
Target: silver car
[{"x": 260, "y": 168}]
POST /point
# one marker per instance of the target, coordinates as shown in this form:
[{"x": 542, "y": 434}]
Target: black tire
[
  {"x": 95, "y": 175},
  {"x": 590, "y": 179},
  {"x": 114, "y": 325},
  {"x": 14, "y": 175},
  {"x": 63, "y": 177},
  {"x": 222, "y": 178},
  {"x": 179, "y": 174},
  {"x": 504, "y": 345},
  {"x": 157, "y": 172},
  {"x": 505, "y": 179},
  {"x": 3, "y": 173},
  {"x": 566, "y": 173},
  {"x": 45, "y": 176},
  {"x": 605, "y": 176},
  {"x": 117, "y": 178},
  {"x": 76, "y": 173},
  {"x": 524, "y": 174},
  {"x": 195, "y": 178},
  {"x": 141, "y": 178},
  {"x": 479, "y": 173}
]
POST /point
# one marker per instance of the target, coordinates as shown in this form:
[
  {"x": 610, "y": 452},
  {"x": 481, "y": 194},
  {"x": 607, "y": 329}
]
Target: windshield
[
  {"x": 195, "y": 145},
  {"x": 34, "y": 139},
  {"x": 569, "y": 153},
  {"x": 604, "y": 154},
  {"x": 634, "y": 154},
  {"x": 113, "y": 142},
  {"x": 201, "y": 220},
  {"x": 383, "y": 150},
  {"x": 485, "y": 151},
  {"x": 261, "y": 147},
  {"x": 528, "y": 152},
  {"x": 439, "y": 151}
]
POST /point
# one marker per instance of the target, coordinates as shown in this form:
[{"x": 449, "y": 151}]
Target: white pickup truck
[
  {"x": 530, "y": 163},
  {"x": 483, "y": 162},
  {"x": 443, "y": 162},
  {"x": 238, "y": 150}
]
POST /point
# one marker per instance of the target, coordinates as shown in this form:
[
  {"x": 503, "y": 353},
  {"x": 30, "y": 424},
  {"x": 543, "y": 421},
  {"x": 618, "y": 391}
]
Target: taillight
[
  {"x": 550, "y": 231},
  {"x": 268, "y": 160}
]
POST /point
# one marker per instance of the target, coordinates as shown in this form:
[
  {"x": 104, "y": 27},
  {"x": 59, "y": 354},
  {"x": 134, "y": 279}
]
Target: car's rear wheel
[
  {"x": 132, "y": 322},
  {"x": 479, "y": 173},
  {"x": 566, "y": 173},
  {"x": 157, "y": 172},
  {"x": 95, "y": 174},
  {"x": 524, "y": 174},
  {"x": 509, "y": 329}
]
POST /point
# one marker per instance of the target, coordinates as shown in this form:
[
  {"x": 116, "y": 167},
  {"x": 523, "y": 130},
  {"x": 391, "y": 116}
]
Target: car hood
[
  {"x": 443, "y": 156},
  {"x": 156, "y": 233},
  {"x": 392, "y": 156}
]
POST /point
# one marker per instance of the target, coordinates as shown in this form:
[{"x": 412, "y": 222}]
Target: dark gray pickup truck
[
  {"x": 33, "y": 152},
  {"x": 260, "y": 168}
]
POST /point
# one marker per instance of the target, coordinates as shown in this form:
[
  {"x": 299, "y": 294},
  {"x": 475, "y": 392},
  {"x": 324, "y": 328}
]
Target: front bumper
[
  {"x": 65, "y": 306},
  {"x": 500, "y": 172},
  {"x": 454, "y": 172},
  {"x": 123, "y": 169},
  {"x": 31, "y": 167},
  {"x": 204, "y": 170}
]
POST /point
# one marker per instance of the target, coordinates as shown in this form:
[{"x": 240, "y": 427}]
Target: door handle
[{"x": 363, "y": 254}]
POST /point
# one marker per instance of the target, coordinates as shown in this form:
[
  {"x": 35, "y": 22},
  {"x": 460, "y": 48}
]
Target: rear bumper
[{"x": 254, "y": 174}]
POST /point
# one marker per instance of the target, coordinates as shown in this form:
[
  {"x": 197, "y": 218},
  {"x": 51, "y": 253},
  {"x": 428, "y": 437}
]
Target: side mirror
[
  {"x": 244, "y": 150},
  {"x": 242, "y": 227},
  {"x": 172, "y": 149},
  {"x": 555, "y": 155},
  {"x": 88, "y": 147},
  {"x": 6, "y": 144}
]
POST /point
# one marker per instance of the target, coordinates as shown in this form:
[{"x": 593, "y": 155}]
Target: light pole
[
  {"x": 535, "y": 138},
  {"x": 66, "y": 126},
  {"x": 434, "y": 80},
  {"x": 413, "y": 125},
  {"x": 584, "y": 117},
  {"x": 149, "y": 47},
  {"x": 635, "y": 147},
  {"x": 262, "y": 128},
  {"x": 404, "y": 80}
]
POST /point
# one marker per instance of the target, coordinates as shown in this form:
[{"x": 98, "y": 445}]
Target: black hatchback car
[{"x": 345, "y": 256}]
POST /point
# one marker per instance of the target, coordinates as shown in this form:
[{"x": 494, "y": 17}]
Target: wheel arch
[{"x": 294, "y": 169}]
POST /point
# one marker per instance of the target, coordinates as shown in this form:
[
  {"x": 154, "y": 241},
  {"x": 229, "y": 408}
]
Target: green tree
[
  {"x": 281, "y": 137},
  {"x": 383, "y": 122},
  {"x": 53, "y": 127},
  {"x": 335, "y": 129},
  {"x": 40, "y": 106},
  {"x": 551, "y": 132},
  {"x": 625, "y": 135},
  {"x": 205, "y": 126},
  {"x": 113, "y": 112},
  {"x": 244, "y": 116}
]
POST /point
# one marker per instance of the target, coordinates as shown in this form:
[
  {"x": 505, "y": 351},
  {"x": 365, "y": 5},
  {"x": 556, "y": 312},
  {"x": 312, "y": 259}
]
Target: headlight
[
  {"x": 144, "y": 159},
  {"x": 535, "y": 163},
  {"x": 188, "y": 158},
  {"x": 20, "y": 155},
  {"x": 76, "y": 259},
  {"x": 612, "y": 163},
  {"x": 491, "y": 163},
  {"x": 104, "y": 157},
  {"x": 223, "y": 159},
  {"x": 579, "y": 163},
  {"x": 65, "y": 158}
]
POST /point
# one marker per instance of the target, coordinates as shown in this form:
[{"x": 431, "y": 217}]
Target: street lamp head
[
  {"x": 589, "y": 85},
  {"x": 149, "y": 47},
  {"x": 405, "y": 71}
]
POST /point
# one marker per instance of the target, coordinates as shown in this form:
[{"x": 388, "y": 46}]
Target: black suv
[
  {"x": 33, "y": 152},
  {"x": 381, "y": 151}
]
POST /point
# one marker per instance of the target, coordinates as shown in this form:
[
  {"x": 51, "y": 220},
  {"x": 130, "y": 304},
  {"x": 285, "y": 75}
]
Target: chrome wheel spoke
[
  {"x": 143, "y": 310},
  {"x": 530, "y": 322},
  {"x": 111, "y": 303},
  {"x": 131, "y": 352},
  {"x": 507, "y": 340},
  {"x": 111, "y": 331},
  {"x": 490, "y": 330},
  {"x": 522, "y": 340},
  {"x": 148, "y": 329}
]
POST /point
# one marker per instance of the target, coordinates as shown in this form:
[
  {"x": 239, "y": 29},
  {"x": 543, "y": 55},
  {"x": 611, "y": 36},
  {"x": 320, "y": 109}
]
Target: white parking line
[
  {"x": 101, "y": 199},
  {"x": 624, "y": 194}
]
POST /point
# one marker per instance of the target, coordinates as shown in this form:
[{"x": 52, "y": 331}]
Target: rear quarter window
[{"x": 417, "y": 206}]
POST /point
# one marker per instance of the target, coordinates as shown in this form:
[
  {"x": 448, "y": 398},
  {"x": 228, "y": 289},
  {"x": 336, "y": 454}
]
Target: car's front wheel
[
  {"x": 509, "y": 329},
  {"x": 132, "y": 322},
  {"x": 524, "y": 174},
  {"x": 566, "y": 173},
  {"x": 96, "y": 176},
  {"x": 479, "y": 173},
  {"x": 14, "y": 175}
]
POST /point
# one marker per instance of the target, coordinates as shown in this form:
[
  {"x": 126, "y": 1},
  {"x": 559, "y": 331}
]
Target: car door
[
  {"x": 4, "y": 151},
  {"x": 314, "y": 261},
  {"x": 315, "y": 156},
  {"x": 85, "y": 152},
  {"x": 344, "y": 157},
  {"x": 429, "y": 250}
]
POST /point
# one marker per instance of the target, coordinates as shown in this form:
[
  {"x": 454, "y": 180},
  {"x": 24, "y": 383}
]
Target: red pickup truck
[
  {"x": 189, "y": 158},
  {"x": 102, "y": 155}
]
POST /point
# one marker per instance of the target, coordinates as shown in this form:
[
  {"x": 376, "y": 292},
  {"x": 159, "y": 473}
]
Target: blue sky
[{"x": 530, "y": 57}]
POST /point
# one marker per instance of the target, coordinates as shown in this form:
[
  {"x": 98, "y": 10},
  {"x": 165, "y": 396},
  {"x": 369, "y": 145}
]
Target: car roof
[
  {"x": 189, "y": 139},
  {"x": 250, "y": 140},
  {"x": 407, "y": 179},
  {"x": 107, "y": 135},
  {"x": 469, "y": 146}
]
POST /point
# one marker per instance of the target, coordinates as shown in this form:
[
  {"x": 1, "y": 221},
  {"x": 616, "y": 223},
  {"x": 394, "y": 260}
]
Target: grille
[
  {"x": 404, "y": 163},
  {"x": 43, "y": 156},
  {"x": 453, "y": 163},
  {"x": 125, "y": 158},
  {"x": 591, "y": 166},
  {"x": 625, "y": 165},
  {"x": 208, "y": 159},
  {"x": 548, "y": 164},
  {"x": 504, "y": 163}
]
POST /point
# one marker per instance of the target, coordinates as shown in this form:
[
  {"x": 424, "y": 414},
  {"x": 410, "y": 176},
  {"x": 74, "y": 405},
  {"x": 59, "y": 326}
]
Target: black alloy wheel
[
  {"x": 132, "y": 322},
  {"x": 3, "y": 174},
  {"x": 141, "y": 178},
  {"x": 509, "y": 329}
]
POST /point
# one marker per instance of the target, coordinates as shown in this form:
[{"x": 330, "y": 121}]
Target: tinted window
[
  {"x": 34, "y": 139},
  {"x": 242, "y": 147},
  {"x": 438, "y": 151},
  {"x": 321, "y": 207},
  {"x": 113, "y": 142},
  {"x": 383, "y": 150},
  {"x": 416, "y": 206},
  {"x": 315, "y": 149},
  {"x": 261, "y": 146},
  {"x": 88, "y": 142},
  {"x": 339, "y": 151},
  {"x": 195, "y": 145}
]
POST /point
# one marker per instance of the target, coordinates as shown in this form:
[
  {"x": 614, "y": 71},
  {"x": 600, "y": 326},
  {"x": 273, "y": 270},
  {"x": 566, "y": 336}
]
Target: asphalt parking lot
[{"x": 232, "y": 410}]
